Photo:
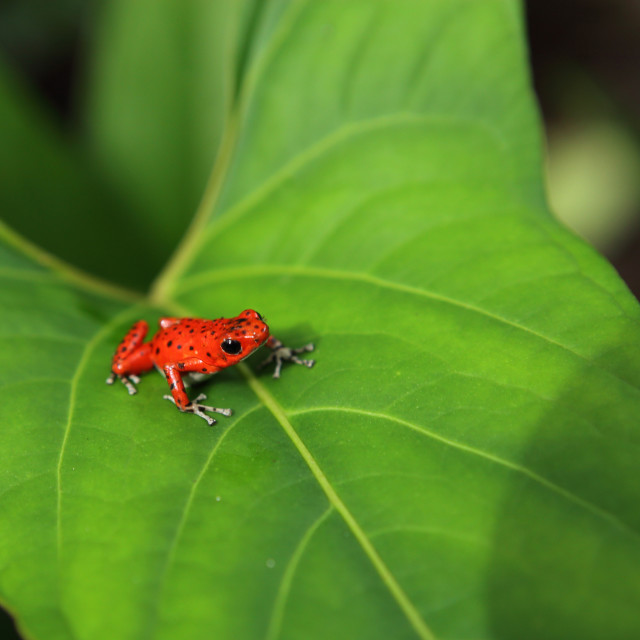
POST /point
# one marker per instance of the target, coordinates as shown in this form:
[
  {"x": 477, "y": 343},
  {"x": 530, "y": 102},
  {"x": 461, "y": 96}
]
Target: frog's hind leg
[
  {"x": 129, "y": 382},
  {"x": 130, "y": 343},
  {"x": 132, "y": 357}
]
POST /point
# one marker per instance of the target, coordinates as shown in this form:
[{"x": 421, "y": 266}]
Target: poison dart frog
[{"x": 188, "y": 350}]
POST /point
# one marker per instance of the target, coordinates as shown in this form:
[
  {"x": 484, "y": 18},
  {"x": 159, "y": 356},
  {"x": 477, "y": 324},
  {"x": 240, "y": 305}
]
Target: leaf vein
[
  {"x": 73, "y": 390},
  {"x": 275, "y": 623},
  {"x": 349, "y": 276},
  {"x": 320, "y": 148},
  {"x": 548, "y": 484},
  {"x": 186, "y": 509}
]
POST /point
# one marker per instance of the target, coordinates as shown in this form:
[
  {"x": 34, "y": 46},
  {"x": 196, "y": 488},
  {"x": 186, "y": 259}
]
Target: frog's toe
[
  {"x": 129, "y": 384},
  {"x": 199, "y": 409},
  {"x": 281, "y": 354},
  {"x": 128, "y": 381},
  {"x": 203, "y": 407},
  {"x": 306, "y": 363}
]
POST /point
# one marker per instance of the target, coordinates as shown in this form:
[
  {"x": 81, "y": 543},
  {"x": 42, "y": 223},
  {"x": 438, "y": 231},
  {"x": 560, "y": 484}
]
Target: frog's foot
[
  {"x": 280, "y": 354},
  {"x": 199, "y": 409},
  {"x": 128, "y": 381}
]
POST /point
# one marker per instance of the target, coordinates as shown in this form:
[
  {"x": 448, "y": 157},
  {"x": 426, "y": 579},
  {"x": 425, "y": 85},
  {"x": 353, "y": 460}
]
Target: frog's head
[{"x": 239, "y": 337}]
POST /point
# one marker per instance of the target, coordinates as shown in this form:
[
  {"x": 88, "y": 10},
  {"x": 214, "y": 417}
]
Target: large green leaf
[{"x": 461, "y": 462}]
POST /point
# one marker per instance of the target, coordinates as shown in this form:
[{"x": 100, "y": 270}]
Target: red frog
[{"x": 189, "y": 350}]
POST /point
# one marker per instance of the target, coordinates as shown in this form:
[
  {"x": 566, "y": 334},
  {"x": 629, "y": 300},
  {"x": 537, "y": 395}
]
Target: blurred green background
[{"x": 585, "y": 57}]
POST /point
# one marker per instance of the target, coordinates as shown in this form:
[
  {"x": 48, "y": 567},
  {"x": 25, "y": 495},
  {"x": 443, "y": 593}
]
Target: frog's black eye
[
  {"x": 232, "y": 347},
  {"x": 260, "y": 316}
]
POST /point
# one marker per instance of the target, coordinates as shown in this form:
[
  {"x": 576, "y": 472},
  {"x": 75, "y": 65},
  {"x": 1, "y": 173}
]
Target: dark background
[{"x": 585, "y": 56}]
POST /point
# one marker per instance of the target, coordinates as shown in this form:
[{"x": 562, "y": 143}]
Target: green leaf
[{"x": 460, "y": 463}]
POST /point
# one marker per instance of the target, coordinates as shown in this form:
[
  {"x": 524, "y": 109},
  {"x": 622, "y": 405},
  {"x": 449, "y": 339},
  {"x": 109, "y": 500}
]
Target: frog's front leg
[
  {"x": 280, "y": 354},
  {"x": 179, "y": 396}
]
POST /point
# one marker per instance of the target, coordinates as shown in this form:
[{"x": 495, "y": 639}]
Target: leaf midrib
[
  {"x": 381, "y": 568},
  {"x": 269, "y": 402}
]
